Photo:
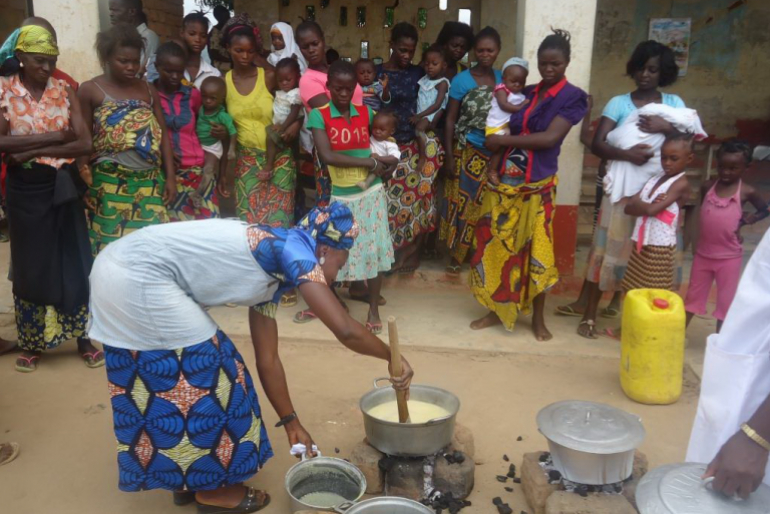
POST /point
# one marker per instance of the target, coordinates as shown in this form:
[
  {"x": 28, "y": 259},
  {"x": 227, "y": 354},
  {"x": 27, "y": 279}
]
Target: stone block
[
  {"x": 456, "y": 478},
  {"x": 563, "y": 502},
  {"x": 534, "y": 482},
  {"x": 462, "y": 440},
  {"x": 367, "y": 459},
  {"x": 404, "y": 477},
  {"x": 640, "y": 469}
]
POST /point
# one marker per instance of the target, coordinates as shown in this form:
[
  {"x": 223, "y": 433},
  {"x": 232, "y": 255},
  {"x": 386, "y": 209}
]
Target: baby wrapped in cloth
[{"x": 625, "y": 179}]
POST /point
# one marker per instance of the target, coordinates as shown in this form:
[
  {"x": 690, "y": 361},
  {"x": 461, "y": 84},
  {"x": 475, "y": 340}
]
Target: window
[{"x": 464, "y": 16}]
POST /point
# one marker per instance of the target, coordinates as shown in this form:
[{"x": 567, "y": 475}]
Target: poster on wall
[{"x": 674, "y": 33}]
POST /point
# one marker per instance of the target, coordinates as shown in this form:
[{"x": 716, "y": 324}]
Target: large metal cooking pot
[
  {"x": 679, "y": 489},
  {"x": 388, "y": 505},
  {"x": 591, "y": 443},
  {"x": 410, "y": 439},
  {"x": 323, "y": 475}
]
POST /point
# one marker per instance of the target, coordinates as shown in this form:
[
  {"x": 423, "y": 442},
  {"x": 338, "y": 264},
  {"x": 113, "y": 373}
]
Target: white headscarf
[{"x": 289, "y": 50}]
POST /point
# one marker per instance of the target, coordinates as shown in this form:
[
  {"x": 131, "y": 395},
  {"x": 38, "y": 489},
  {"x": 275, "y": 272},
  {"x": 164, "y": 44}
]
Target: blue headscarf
[
  {"x": 332, "y": 226},
  {"x": 9, "y": 46}
]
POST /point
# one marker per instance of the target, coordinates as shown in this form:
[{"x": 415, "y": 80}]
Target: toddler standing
[
  {"x": 287, "y": 111},
  {"x": 506, "y": 100},
  {"x": 657, "y": 207},
  {"x": 432, "y": 99},
  {"x": 719, "y": 252},
  {"x": 376, "y": 92},
  {"x": 384, "y": 148},
  {"x": 213, "y": 91}
]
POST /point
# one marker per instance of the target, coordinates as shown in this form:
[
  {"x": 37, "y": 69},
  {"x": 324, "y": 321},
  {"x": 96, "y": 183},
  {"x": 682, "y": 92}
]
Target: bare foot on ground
[{"x": 490, "y": 320}]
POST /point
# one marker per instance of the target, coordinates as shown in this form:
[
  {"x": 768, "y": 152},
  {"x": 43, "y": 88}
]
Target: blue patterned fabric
[
  {"x": 185, "y": 419},
  {"x": 288, "y": 255},
  {"x": 403, "y": 86}
]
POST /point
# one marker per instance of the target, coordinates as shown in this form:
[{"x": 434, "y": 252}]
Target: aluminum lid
[
  {"x": 590, "y": 427},
  {"x": 678, "y": 489}
]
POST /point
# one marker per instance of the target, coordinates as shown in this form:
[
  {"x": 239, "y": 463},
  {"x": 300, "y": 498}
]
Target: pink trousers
[{"x": 726, "y": 272}]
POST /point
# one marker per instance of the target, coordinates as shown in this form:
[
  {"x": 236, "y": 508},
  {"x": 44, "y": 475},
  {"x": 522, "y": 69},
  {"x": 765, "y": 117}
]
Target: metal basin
[
  {"x": 389, "y": 505},
  {"x": 410, "y": 439},
  {"x": 324, "y": 475}
]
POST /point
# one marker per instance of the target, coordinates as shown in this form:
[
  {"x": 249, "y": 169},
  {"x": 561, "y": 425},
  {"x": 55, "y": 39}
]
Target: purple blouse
[{"x": 562, "y": 99}]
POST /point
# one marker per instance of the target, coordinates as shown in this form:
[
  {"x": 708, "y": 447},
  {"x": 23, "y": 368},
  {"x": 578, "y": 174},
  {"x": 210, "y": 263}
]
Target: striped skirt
[
  {"x": 186, "y": 419},
  {"x": 652, "y": 268}
]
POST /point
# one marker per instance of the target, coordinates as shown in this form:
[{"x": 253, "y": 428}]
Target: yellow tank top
[{"x": 252, "y": 113}]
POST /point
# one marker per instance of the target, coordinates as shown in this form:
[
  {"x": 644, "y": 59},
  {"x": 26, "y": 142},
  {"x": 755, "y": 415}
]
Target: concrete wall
[
  {"x": 729, "y": 66},
  {"x": 14, "y": 12},
  {"x": 501, "y": 14},
  {"x": 347, "y": 40}
]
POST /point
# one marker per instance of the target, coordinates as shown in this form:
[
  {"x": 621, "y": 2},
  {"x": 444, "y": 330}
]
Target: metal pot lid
[
  {"x": 678, "y": 489},
  {"x": 386, "y": 505},
  {"x": 590, "y": 427}
]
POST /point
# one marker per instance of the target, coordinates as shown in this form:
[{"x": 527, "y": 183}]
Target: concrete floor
[{"x": 62, "y": 417}]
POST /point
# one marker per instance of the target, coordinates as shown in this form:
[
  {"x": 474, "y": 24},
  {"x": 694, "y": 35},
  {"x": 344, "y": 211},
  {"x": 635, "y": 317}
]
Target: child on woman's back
[
  {"x": 287, "y": 111},
  {"x": 432, "y": 99},
  {"x": 719, "y": 253},
  {"x": 506, "y": 100},
  {"x": 657, "y": 206}
]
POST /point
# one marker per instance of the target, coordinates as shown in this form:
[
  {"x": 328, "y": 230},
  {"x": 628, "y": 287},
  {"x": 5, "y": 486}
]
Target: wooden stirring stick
[{"x": 395, "y": 358}]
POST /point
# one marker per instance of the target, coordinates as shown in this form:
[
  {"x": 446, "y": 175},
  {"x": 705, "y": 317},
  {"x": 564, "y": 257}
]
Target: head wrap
[
  {"x": 332, "y": 226},
  {"x": 36, "y": 40},
  {"x": 9, "y": 46},
  {"x": 516, "y": 61},
  {"x": 239, "y": 21},
  {"x": 289, "y": 50}
]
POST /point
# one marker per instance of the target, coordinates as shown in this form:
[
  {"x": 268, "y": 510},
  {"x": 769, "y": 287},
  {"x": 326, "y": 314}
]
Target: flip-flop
[
  {"x": 8, "y": 452},
  {"x": 610, "y": 332},
  {"x": 453, "y": 271},
  {"x": 566, "y": 310},
  {"x": 610, "y": 312},
  {"x": 365, "y": 299},
  {"x": 248, "y": 504},
  {"x": 591, "y": 329},
  {"x": 90, "y": 358},
  {"x": 374, "y": 328},
  {"x": 289, "y": 299},
  {"x": 31, "y": 363},
  {"x": 305, "y": 316}
]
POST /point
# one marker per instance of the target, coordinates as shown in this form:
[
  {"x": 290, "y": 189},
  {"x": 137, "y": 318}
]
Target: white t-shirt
[
  {"x": 282, "y": 104},
  {"x": 497, "y": 117},
  {"x": 385, "y": 148}
]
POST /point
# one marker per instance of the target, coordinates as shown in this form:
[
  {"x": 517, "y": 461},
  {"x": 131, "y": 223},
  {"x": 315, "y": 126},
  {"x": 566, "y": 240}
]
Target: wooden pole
[{"x": 395, "y": 358}]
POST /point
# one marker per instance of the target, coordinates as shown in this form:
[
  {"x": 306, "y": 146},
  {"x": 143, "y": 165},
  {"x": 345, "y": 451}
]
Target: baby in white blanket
[{"x": 625, "y": 179}]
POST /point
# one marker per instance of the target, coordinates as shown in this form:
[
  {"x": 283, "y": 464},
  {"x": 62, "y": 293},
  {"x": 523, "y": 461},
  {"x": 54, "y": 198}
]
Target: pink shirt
[
  {"x": 180, "y": 110},
  {"x": 719, "y": 219},
  {"x": 313, "y": 83}
]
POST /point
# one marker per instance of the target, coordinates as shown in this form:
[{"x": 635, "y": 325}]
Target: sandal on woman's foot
[
  {"x": 289, "y": 299},
  {"x": 610, "y": 312},
  {"x": 93, "y": 359},
  {"x": 251, "y": 503},
  {"x": 26, "y": 364},
  {"x": 590, "y": 333},
  {"x": 182, "y": 498},
  {"x": 8, "y": 452},
  {"x": 374, "y": 328},
  {"x": 305, "y": 316},
  {"x": 453, "y": 270},
  {"x": 567, "y": 310}
]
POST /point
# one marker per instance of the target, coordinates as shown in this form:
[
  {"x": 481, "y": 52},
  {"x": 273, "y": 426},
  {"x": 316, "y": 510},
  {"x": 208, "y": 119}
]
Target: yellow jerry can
[{"x": 652, "y": 348}]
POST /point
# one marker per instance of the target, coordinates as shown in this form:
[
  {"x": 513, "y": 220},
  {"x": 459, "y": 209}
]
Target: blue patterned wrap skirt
[{"x": 186, "y": 419}]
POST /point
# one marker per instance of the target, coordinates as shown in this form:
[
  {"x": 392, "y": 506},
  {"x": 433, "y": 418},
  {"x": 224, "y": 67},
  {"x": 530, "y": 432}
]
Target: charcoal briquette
[
  {"x": 505, "y": 458},
  {"x": 509, "y": 489},
  {"x": 512, "y": 471},
  {"x": 501, "y": 478},
  {"x": 336, "y": 450},
  {"x": 497, "y": 500},
  {"x": 618, "y": 488},
  {"x": 459, "y": 458},
  {"x": 516, "y": 480},
  {"x": 554, "y": 475},
  {"x": 545, "y": 456},
  {"x": 519, "y": 438},
  {"x": 504, "y": 509}
]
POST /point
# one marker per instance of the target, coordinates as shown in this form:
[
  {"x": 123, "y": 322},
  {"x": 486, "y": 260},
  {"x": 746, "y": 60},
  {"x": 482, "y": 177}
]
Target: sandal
[
  {"x": 453, "y": 270},
  {"x": 8, "y": 452},
  {"x": 289, "y": 299},
  {"x": 250, "y": 503},
  {"x": 591, "y": 333},
  {"x": 567, "y": 310},
  {"x": 27, "y": 364},
  {"x": 182, "y": 498},
  {"x": 374, "y": 328},
  {"x": 92, "y": 359},
  {"x": 610, "y": 312},
  {"x": 305, "y": 316}
]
